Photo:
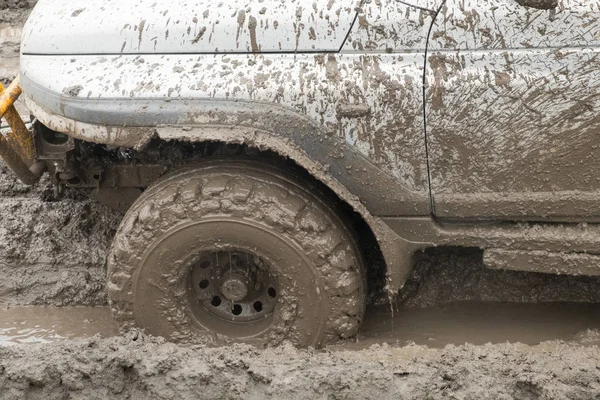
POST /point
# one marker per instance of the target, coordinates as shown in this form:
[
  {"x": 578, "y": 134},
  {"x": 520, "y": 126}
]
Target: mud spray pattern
[{"x": 53, "y": 253}]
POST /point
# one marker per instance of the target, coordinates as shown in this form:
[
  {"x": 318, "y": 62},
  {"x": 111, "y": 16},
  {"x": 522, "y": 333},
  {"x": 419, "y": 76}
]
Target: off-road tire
[{"x": 245, "y": 193}]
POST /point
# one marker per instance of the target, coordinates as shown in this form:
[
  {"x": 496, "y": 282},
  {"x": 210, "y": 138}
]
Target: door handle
[
  {"x": 539, "y": 4},
  {"x": 353, "y": 110}
]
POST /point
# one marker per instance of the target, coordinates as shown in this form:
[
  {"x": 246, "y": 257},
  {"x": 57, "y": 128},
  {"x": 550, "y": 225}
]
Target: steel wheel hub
[{"x": 234, "y": 286}]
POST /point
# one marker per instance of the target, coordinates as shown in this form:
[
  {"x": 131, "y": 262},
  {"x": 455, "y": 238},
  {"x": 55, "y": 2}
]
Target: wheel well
[
  {"x": 375, "y": 265},
  {"x": 175, "y": 154}
]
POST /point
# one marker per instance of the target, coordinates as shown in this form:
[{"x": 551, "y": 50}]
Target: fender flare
[{"x": 370, "y": 191}]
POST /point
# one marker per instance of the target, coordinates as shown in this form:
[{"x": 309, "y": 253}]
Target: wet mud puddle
[
  {"x": 43, "y": 325},
  {"x": 482, "y": 322},
  {"x": 455, "y": 323}
]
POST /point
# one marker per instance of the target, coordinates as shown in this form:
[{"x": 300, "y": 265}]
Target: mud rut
[{"x": 52, "y": 253}]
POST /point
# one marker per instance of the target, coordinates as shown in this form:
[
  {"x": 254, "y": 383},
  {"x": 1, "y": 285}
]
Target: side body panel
[
  {"x": 389, "y": 39},
  {"x": 513, "y": 110},
  {"x": 182, "y": 26},
  {"x": 368, "y": 97}
]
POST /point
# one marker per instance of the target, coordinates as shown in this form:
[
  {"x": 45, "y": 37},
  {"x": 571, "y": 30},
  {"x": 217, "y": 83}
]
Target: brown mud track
[
  {"x": 136, "y": 366},
  {"x": 51, "y": 252}
]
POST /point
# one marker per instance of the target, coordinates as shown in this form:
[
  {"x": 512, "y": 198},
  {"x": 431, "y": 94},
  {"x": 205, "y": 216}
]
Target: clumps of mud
[
  {"x": 137, "y": 366},
  {"x": 15, "y": 12},
  {"x": 446, "y": 275},
  {"x": 10, "y": 4},
  {"x": 52, "y": 252},
  {"x": 10, "y": 185}
]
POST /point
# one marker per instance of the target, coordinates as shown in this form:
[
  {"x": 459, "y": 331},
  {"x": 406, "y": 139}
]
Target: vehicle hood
[{"x": 74, "y": 27}]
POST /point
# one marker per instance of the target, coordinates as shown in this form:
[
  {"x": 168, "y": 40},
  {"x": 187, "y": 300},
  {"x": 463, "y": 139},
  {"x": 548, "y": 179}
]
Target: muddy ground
[
  {"x": 52, "y": 253},
  {"x": 138, "y": 367}
]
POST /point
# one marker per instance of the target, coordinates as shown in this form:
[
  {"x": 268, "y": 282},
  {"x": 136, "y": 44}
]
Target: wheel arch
[{"x": 364, "y": 187}]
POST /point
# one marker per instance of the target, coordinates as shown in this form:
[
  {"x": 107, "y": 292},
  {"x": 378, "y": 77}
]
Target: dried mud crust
[{"x": 274, "y": 202}]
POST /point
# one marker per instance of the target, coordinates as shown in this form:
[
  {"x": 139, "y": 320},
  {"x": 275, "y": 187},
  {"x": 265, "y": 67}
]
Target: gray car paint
[
  {"x": 179, "y": 26},
  {"x": 512, "y": 110},
  {"x": 369, "y": 98}
]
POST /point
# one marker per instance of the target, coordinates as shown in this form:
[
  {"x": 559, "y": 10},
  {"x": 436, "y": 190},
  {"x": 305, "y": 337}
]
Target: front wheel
[{"x": 236, "y": 252}]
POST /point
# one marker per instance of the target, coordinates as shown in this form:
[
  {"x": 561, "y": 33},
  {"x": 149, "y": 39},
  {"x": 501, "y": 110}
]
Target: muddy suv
[{"x": 277, "y": 161}]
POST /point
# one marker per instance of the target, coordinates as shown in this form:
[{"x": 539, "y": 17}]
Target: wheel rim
[
  {"x": 224, "y": 207},
  {"x": 235, "y": 286},
  {"x": 155, "y": 288}
]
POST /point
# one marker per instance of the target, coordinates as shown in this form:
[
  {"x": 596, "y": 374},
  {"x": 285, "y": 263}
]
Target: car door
[
  {"x": 379, "y": 97},
  {"x": 513, "y": 109}
]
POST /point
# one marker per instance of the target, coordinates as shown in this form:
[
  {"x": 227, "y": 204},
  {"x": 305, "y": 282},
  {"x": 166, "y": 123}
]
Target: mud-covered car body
[{"x": 463, "y": 123}]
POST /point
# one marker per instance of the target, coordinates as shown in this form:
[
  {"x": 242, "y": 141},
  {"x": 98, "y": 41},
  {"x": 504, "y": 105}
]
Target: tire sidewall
[{"x": 180, "y": 199}]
